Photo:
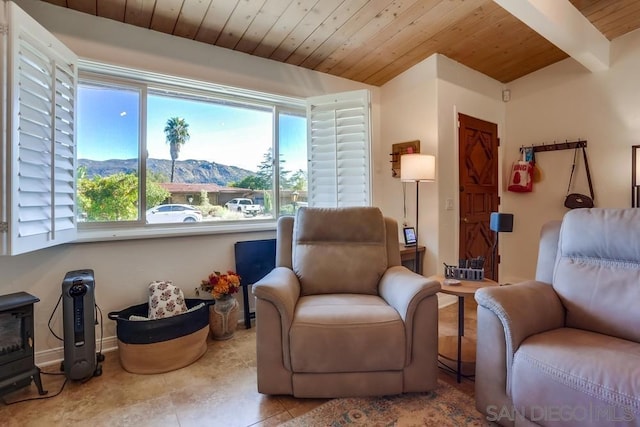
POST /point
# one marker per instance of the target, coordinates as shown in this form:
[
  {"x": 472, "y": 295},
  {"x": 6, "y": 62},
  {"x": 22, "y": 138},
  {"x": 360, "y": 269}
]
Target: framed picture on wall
[
  {"x": 409, "y": 236},
  {"x": 397, "y": 150}
]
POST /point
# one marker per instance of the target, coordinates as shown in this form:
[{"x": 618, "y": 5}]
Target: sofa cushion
[
  {"x": 573, "y": 377},
  {"x": 339, "y": 250},
  {"x": 346, "y": 333},
  {"x": 597, "y": 273}
]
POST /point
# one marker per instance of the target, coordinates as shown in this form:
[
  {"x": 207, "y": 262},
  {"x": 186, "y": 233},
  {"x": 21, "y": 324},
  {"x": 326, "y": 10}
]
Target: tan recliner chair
[
  {"x": 339, "y": 316},
  {"x": 564, "y": 349}
]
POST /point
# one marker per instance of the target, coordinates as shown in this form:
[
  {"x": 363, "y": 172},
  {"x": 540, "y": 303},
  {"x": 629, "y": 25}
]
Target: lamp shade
[{"x": 417, "y": 167}]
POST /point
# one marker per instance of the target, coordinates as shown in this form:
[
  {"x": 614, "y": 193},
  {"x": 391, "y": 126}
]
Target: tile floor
[{"x": 217, "y": 390}]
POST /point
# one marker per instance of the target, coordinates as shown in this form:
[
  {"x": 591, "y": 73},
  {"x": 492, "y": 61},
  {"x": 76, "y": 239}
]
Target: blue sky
[{"x": 108, "y": 123}]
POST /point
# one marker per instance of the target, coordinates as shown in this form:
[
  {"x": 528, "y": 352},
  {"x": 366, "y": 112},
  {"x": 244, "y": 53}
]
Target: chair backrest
[
  {"x": 342, "y": 250},
  {"x": 597, "y": 271},
  {"x": 548, "y": 251}
]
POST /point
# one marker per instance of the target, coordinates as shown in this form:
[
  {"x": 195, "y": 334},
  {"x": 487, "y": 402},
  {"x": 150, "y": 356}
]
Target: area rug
[{"x": 445, "y": 406}]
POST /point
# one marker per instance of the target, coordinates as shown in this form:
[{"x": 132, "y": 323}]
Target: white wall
[
  {"x": 423, "y": 103},
  {"x": 460, "y": 90},
  {"x": 566, "y": 102},
  {"x": 409, "y": 113},
  {"x": 124, "y": 269}
]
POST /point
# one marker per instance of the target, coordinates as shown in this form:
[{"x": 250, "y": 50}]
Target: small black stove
[{"x": 17, "y": 357}]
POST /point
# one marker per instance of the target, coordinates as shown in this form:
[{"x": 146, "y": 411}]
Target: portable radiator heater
[{"x": 79, "y": 320}]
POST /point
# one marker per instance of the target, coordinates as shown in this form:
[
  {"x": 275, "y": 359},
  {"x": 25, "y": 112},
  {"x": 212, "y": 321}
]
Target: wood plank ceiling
[{"x": 369, "y": 41}]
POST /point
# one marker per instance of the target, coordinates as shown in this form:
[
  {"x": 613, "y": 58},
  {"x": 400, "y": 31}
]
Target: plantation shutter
[
  {"x": 39, "y": 193},
  {"x": 338, "y": 149}
]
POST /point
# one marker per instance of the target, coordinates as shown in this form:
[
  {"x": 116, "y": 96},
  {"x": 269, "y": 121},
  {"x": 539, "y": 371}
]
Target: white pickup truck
[{"x": 246, "y": 206}]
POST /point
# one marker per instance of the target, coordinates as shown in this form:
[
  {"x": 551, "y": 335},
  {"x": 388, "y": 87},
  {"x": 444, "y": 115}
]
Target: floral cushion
[{"x": 165, "y": 300}]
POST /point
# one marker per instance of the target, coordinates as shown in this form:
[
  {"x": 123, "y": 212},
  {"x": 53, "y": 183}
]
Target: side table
[
  {"x": 408, "y": 257},
  {"x": 465, "y": 348}
]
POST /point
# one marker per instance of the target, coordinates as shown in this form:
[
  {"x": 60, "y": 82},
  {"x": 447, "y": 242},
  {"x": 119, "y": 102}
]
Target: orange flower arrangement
[{"x": 221, "y": 284}]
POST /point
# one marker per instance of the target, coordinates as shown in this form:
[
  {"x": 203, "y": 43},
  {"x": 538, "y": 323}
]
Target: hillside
[{"x": 187, "y": 171}]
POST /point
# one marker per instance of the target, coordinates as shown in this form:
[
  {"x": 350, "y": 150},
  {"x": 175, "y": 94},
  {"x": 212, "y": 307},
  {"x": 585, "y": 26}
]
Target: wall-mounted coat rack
[{"x": 567, "y": 145}]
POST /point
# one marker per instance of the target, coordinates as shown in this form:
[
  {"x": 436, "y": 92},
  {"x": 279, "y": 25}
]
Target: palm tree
[{"x": 177, "y": 133}]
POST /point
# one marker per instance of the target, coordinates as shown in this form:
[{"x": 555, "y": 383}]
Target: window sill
[{"x": 154, "y": 232}]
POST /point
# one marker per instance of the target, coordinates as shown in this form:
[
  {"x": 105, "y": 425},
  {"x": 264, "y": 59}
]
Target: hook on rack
[{"x": 567, "y": 145}]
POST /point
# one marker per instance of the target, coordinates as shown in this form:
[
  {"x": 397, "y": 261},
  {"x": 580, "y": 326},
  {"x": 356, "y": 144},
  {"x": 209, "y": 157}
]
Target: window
[
  {"x": 109, "y": 133},
  {"x": 201, "y": 148},
  {"x": 119, "y": 149},
  {"x": 293, "y": 177}
]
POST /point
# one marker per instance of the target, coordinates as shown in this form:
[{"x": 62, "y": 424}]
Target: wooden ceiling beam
[{"x": 563, "y": 25}]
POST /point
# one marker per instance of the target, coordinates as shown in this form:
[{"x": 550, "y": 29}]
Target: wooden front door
[{"x": 478, "y": 166}]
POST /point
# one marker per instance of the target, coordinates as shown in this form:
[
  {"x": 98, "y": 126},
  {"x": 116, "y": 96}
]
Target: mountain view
[{"x": 187, "y": 171}]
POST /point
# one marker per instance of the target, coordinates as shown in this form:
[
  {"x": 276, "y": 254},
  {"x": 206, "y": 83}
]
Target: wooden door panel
[
  {"x": 476, "y": 204},
  {"x": 478, "y": 242},
  {"x": 478, "y": 177},
  {"x": 479, "y": 158}
]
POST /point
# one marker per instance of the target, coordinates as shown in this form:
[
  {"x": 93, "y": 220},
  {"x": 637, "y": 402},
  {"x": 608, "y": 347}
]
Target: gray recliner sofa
[
  {"x": 564, "y": 349},
  {"x": 339, "y": 315}
]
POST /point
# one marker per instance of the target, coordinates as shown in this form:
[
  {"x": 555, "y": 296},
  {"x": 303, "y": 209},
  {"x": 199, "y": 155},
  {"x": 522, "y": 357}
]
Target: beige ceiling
[{"x": 369, "y": 41}]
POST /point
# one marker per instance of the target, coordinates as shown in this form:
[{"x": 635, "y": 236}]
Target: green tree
[
  {"x": 298, "y": 180},
  {"x": 115, "y": 197},
  {"x": 156, "y": 176},
  {"x": 156, "y": 194},
  {"x": 253, "y": 182},
  {"x": 268, "y": 203},
  {"x": 265, "y": 171},
  {"x": 109, "y": 198},
  {"x": 81, "y": 173},
  {"x": 204, "y": 199},
  {"x": 177, "y": 134}
]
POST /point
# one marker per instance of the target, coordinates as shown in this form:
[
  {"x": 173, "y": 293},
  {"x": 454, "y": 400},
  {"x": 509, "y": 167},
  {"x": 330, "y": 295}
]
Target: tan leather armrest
[
  {"x": 403, "y": 289},
  {"x": 282, "y": 288},
  {"x": 524, "y": 309}
]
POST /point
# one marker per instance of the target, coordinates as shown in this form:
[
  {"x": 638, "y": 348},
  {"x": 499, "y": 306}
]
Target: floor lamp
[
  {"x": 417, "y": 168},
  {"x": 635, "y": 176},
  {"x": 499, "y": 223}
]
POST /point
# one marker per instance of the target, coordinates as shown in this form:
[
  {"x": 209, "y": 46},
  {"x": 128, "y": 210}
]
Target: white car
[
  {"x": 173, "y": 213},
  {"x": 246, "y": 206}
]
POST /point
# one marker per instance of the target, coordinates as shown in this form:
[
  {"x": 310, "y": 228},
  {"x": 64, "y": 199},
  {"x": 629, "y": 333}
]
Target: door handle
[{"x": 465, "y": 220}]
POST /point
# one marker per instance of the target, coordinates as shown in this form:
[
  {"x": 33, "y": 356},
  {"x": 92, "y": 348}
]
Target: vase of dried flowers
[
  {"x": 223, "y": 315},
  {"x": 223, "y": 318}
]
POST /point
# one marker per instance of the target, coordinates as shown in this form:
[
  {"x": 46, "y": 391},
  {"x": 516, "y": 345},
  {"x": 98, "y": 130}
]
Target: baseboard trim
[{"x": 54, "y": 356}]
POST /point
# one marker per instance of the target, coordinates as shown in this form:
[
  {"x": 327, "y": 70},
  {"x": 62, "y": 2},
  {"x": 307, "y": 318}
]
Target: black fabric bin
[
  {"x": 161, "y": 345},
  {"x": 150, "y": 331}
]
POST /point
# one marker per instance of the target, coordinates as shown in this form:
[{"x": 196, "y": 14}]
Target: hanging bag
[
  {"x": 577, "y": 200},
  {"x": 521, "y": 179}
]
